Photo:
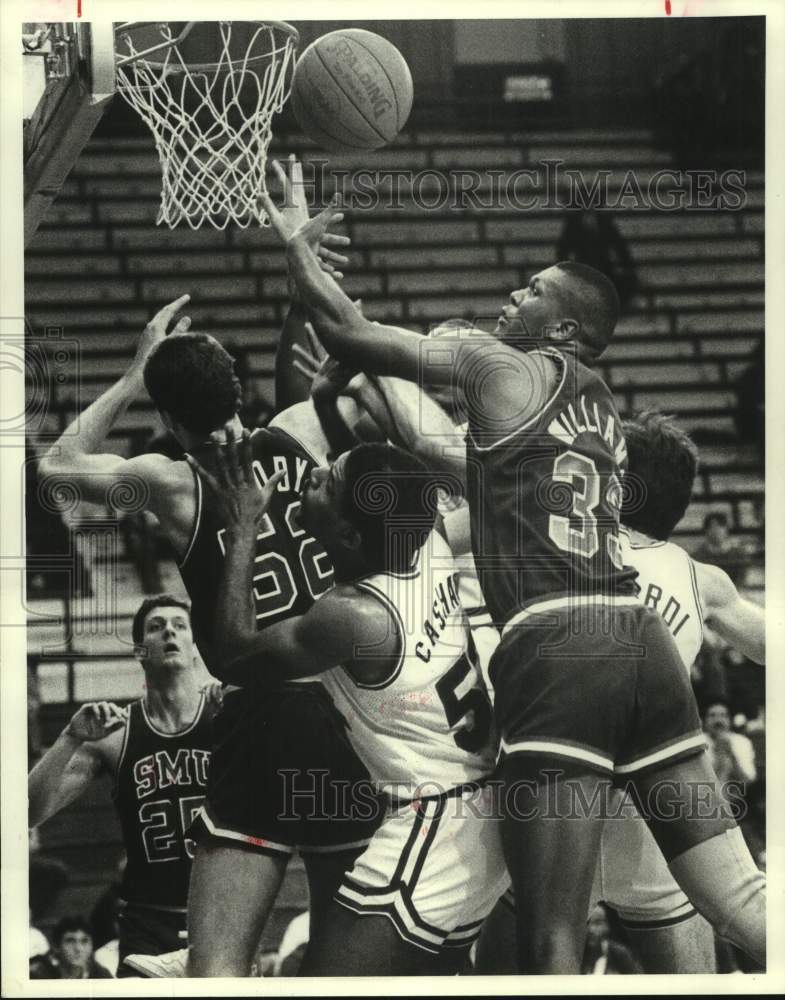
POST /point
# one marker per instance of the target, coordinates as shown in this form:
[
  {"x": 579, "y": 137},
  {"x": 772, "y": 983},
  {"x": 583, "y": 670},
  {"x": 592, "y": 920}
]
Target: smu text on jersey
[{"x": 162, "y": 770}]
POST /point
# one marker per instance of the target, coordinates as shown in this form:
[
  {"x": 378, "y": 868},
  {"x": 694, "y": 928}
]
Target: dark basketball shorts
[
  {"x": 594, "y": 683},
  {"x": 284, "y": 777},
  {"x": 149, "y": 930}
]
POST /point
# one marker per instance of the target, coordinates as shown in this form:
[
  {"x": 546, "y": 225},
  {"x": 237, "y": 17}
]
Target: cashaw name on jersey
[
  {"x": 669, "y": 610},
  {"x": 159, "y": 770},
  {"x": 589, "y": 417},
  {"x": 446, "y": 602}
]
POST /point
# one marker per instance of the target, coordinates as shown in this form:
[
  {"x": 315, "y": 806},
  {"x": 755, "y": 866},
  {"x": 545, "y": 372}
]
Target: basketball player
[
  {"x": 157, "y": 752},
  {"x": 666, "y": 933},
  {"x": 392, "y": 647},
  {"x": 243, "y": 844},
  {"x": 545, "y": 455}
]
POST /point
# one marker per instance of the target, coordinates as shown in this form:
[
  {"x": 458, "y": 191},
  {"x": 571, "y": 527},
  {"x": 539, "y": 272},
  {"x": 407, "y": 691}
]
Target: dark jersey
[
  {"x": 160, "y": 784},
  {"x": 292, "y": 569},
  {"x": 545, "y": 499}
]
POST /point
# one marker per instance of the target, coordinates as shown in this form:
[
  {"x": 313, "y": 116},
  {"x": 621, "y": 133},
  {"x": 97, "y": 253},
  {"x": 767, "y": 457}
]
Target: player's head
[
  {"x": 190, "y": 378},
  {"x": 566, "y": 302},
  {"x": 375, "y": 504},
  {"x": 662, "y": 462},
  {"x": 162, "y": 633}
]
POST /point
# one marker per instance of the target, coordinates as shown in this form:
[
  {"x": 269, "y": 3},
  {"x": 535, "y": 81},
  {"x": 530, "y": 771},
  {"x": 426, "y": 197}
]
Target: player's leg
[
  {"x": 337, "y": 806},
  {"x": 663, "y": 929},
  {"x": 551, "y": 853},
  {"x": 563, "y": 705},
  {"x": 701, "y": 842},
  {"x": 242, "y": 845},
  {"x": 685, "y": 948},
  {"x": 366, "y": 945},
  {"x": 496, "y": 948},
  {"x": 676, "y": 791},
  {"x": 231, "y": 894},
  {"x": 325, "y": 872}
]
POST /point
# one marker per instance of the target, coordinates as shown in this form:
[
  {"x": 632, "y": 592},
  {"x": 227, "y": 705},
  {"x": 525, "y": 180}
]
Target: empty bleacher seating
[{"x": 99, "y": 267}]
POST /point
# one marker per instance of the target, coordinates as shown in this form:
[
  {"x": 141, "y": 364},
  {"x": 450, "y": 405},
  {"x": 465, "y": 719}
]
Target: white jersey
[
  {"x": 484, "y": 633},
  {"x": 428, "y": 725},
  {"x": 668, "y": 585}
]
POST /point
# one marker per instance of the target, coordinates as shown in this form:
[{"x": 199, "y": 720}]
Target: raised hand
[
  {"x": 308, "y": 360},
  {"x": 241, "y": 503},
  {"x": 156, "y": 329},
  {"x": 214, "y": 692},
  {"x": 95, "y": 720},
  {"x": 293, "y": 215}
]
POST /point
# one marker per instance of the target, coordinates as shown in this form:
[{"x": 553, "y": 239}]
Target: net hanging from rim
[{"x": 212, "y": 121}]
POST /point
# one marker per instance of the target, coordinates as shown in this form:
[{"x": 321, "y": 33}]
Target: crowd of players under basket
[{"x": 430, "y": 589}]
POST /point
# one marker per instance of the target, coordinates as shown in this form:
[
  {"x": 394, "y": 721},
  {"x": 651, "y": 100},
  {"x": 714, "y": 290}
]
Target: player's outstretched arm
[
  {"x": 72, "y": 762},
  {"x": 76, "y": 455},
  {"x": 338, "y": 629},
  {"x": 739, "y": 622},
  {"x": 291, "y": 386},
  {"x": 503, "y": 387}
]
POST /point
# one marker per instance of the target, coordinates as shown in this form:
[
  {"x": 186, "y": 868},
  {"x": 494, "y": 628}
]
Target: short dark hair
[
  {"x": 147, "y": 605},
  {"x": 596, "y": 302},
  {"x": 390, "y": 498},
  {"x": 69, "y": 924},
  {"x": 715, "y": 517},
  {"x": 662, "y": 462},
  {"x": 711, "y": 702},
  {"x": 191, "y": 377}
]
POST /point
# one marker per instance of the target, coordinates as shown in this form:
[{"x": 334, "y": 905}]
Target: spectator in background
[
  {"x": 750, "y": 388},
  {"x": 591, "y": 237},
  {"x": 732, "y": 754},
  {"x": 71, "y": 956},
  {"x": 719, "y": 549},
  {"x": 603, "y": 956}
]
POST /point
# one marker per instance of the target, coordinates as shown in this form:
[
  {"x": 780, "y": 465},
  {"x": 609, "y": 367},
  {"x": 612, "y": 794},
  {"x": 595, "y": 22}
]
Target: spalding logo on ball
[{"x": 352, "y": 90}]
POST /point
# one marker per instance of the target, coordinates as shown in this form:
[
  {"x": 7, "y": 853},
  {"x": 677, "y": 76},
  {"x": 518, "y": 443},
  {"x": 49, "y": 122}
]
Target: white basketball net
[{"x": 211, "y": 121}]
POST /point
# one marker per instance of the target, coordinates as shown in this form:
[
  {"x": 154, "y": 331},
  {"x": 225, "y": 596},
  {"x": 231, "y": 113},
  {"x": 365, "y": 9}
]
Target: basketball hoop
[{"x": 211, "y": 119}]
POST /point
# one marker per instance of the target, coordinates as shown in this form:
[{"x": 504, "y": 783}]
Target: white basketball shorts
[{"x": 435, "y": 868}]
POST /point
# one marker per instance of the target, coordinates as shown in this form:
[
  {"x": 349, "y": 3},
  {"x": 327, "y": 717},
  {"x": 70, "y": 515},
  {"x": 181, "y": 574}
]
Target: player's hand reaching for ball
[
  {"x": 294, "y": 212},
  {"x": 242, "y": 502},
  {"x": 292, "y": 219},
  {"x": 95, "y": 720}
]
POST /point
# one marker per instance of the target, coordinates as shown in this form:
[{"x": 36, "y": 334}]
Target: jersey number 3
[{"x": 577, "y": 532}]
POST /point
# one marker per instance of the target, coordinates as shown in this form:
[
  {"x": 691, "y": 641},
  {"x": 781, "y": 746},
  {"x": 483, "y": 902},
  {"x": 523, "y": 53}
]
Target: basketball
[{"x": 352, "y": 90}]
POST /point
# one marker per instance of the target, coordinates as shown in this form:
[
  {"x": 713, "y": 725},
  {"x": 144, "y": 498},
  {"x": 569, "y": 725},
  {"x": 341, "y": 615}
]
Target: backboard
[{"x": 69, "y": 80}]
